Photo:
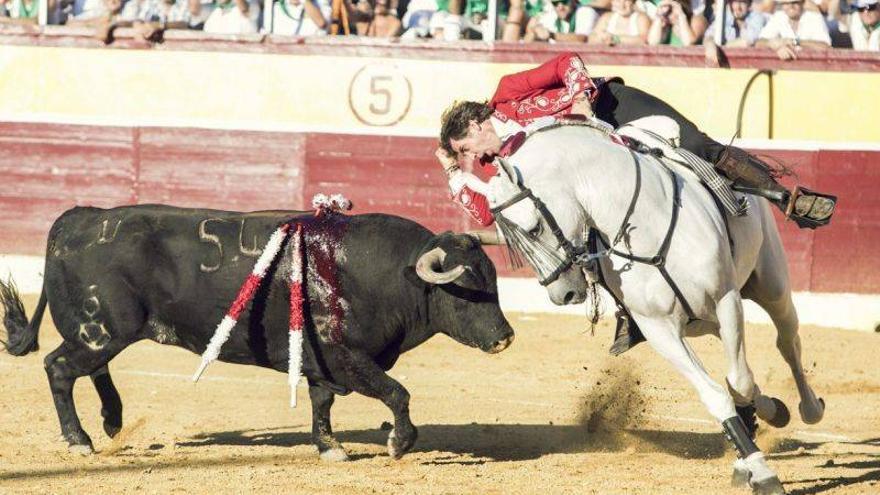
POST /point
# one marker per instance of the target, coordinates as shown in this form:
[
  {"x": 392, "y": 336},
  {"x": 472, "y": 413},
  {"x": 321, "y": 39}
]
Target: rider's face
[{"x": 481, "y": 141}]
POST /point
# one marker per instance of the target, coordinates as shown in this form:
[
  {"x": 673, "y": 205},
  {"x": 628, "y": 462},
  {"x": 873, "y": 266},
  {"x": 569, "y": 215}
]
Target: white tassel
[
  {"x": 295, "y": 368},
  {"x": 269, "y": 252},
  {"x": 212, "y": 352}
]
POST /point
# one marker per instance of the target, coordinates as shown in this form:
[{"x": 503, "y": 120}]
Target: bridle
[
  {"x": 584, "y": 256},
  {"x": 572, "y": 254}
]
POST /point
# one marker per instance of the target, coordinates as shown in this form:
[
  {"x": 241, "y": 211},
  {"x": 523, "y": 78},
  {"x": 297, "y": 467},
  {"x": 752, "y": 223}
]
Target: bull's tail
[{"x": 21, "y": 335}]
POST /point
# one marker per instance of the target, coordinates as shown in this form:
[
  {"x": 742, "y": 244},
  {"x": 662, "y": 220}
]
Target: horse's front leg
[{"x": 666, "y": 336}]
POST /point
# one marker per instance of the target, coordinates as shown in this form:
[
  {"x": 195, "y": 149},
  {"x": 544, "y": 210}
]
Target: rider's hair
[{"x": 455, "y": 120}]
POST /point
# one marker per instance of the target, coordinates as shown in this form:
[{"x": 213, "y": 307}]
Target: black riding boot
[
  {"x": 750, "y": 175},
  {"x": 627, "y": 333}
]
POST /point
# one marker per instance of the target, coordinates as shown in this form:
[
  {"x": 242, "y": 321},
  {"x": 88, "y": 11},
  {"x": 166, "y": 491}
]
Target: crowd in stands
[{"x": 785, "y": 26}]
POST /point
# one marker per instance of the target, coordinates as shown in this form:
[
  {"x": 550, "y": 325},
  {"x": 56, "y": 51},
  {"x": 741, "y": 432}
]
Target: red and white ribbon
[
  {"x": 297, "y": 319},
  {"x": 245, "y": 294}
]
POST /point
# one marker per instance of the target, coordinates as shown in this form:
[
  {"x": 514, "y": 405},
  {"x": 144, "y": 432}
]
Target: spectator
[
  {"x": 150, "y": 18},
  {"x": 672, "y": 26},
  {"x": 519, "y": 13},
  {"x": 624, "y": 25},
  {"x": 417, "y": 19},
  {"x": 589, "y": 12},
  {"x": 233, "y": 17},
  {"x": 94, "y": 12},
  {"x": 300, "y": 18},
  {"x": 26, "y": 11},
  {"x": 792, "y": 29},
  {"x": 374, "y": 18},
  {"x": 557, "y": 25},
  {"x": 456, "y": 19},
  {"x": 864, "y": 25},
  {"x": 742, "y": 26}
]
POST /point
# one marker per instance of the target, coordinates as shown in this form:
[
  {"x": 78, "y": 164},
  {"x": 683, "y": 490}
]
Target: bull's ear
[{"x": 409, "y": 273}]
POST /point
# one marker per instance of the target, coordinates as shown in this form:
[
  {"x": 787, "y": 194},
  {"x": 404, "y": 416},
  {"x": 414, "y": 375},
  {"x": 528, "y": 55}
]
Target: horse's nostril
[{"x": 569, "y": 296}]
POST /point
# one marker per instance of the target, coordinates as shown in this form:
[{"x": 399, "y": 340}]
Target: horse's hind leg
[
  {"x": 769, "y": 287},
  {"x": 111, "y": 403},
  {"x": 784, "y": 317}
]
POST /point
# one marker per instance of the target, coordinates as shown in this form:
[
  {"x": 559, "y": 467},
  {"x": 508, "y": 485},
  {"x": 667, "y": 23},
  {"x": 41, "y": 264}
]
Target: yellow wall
[{"x": 324, "y": 93}]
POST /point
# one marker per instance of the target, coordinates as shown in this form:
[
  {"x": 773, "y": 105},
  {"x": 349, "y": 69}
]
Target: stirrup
[
  {"x": 627, "y": 334},
  {"x": 810, "y": 209}
]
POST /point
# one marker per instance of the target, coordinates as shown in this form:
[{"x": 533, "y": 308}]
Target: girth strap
[{"x": 659, "y": 259}]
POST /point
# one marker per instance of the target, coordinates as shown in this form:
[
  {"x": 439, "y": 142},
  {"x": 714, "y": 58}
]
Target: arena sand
[{"x": 553, "y": 414}]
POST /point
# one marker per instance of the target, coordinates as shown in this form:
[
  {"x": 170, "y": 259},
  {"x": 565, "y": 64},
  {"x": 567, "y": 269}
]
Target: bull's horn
[
  {"x": 427, "y": 262},
  {"x": 487, "y": 237}
]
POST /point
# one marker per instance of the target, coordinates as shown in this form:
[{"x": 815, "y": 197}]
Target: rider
[
  {"x": 472, "y": 131},
  {"x": 561, "y": 87}
]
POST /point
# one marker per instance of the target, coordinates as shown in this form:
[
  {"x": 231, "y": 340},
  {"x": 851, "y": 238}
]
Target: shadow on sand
[
  {"x": 870, "y": 477},
  {"x": 498, "y": 442}
]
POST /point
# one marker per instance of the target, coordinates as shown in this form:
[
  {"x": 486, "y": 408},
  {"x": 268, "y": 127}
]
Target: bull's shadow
[{"x": 495, "y": 442}]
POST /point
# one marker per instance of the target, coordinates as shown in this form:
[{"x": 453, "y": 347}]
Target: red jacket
[{"x": 546, "y": 90}]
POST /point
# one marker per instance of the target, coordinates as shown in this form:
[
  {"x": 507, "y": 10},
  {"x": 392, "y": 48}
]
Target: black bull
[{"x": 117, "y": 276}]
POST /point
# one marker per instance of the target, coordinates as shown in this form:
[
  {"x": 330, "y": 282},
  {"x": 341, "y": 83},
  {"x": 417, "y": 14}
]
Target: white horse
[{"x": 586, "y": 180}]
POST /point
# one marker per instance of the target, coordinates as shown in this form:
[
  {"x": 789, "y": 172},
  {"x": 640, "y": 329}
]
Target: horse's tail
[{"x": 21, "y": 335}]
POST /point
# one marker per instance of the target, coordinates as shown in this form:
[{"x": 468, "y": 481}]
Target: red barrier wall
[{"x": 47, "y": 168}]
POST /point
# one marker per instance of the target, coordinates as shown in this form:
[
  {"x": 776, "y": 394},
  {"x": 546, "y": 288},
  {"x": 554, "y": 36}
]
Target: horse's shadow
[
  {"x": 494, "y": 442},
  {"x": 869, "y": 476}
]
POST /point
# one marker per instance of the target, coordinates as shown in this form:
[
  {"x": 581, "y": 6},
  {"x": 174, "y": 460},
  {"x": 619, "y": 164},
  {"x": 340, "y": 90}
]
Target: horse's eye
[{"x": 537, "y": 230}]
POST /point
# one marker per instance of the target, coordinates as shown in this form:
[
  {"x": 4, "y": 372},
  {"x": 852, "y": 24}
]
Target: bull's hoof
[
  {"x": 112, "y": 429},
  {"x": 773, "y": 411},
  {"x": 334, "y": 455},
  {"x": 393, "y": 450},
  {"x": 81, "y": 449},
  {"x": 400, "y": 444},
  {"x": 811, "y": 415},
  {"x": 768, "y": 486},
  {"x": 112, "y": 421}
]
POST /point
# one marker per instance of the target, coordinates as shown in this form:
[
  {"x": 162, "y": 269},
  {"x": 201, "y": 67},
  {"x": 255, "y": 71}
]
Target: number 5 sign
[{"x": 379, "y": 95}]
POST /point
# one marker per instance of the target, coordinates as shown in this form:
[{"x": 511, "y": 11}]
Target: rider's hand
[
  {"x": 582, "y": 106},
  {"x": 448, "y": 163}
]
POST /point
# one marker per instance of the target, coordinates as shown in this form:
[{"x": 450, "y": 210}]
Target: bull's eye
[{"x": 537, "y": 230}]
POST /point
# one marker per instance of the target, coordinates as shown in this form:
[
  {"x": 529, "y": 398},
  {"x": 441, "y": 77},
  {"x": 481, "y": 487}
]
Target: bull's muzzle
[{"x": 501, "y": 344}]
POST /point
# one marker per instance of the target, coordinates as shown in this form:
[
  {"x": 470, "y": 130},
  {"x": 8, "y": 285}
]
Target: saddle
[{"x": 660, "y": 136}]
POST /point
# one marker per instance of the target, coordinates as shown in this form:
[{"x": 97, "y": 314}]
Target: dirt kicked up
[{"x": 552, "y": 414}]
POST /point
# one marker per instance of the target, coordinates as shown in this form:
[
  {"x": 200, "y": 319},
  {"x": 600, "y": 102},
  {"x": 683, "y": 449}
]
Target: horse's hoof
[
  {"x": 81, "y": 449},
  {"x": 334, "y": 455},
  {"x": 768, "y": 486},
  {"x": 741, "y": 475},
  {"x": 812, "y": 417},
  {"x": 773, "y": 411}
]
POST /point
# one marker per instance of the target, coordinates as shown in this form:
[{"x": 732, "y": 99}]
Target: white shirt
[
  {"x": 811, "y": 27},
  {"x": 548, "y": 20},
  {"x": 232, "y": 21},
  {"x": 298, "y": 23},
  {"x": 859, "y": 35}
]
